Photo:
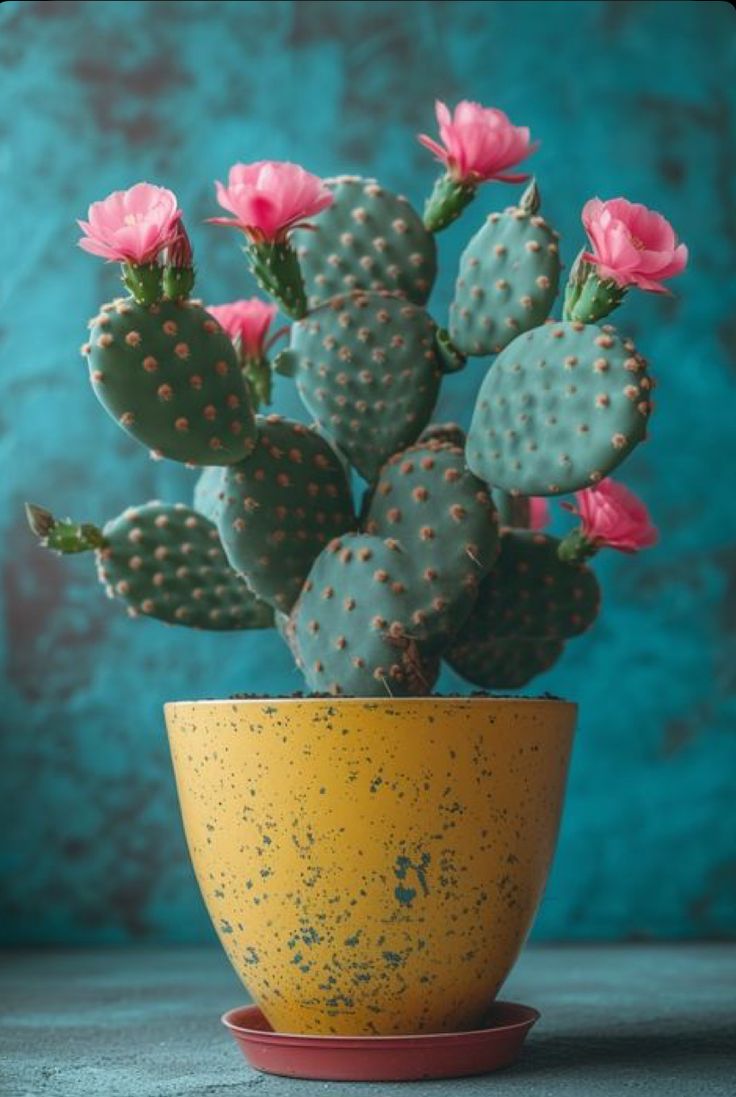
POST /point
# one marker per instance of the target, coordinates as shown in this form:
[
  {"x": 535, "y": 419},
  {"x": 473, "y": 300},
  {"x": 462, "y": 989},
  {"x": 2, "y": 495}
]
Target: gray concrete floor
[{"x": 652, "y": 1020}]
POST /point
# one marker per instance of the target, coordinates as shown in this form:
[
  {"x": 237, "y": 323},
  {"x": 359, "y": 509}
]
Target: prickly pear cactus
[
  {"x": 167, "y": 562},
  {"x": 168, "y": 374},
  {"x": 367, "y": 368},
  {"x": 441, "y": 561},
  {"x": 508, "y": 279},
  {"x": 351, "y": 622},
  {"x": 527, "y": 606},
  {"x": 369, "y": 238},
  {"x": 559, "y": 409},
  {"x": 281, "y": 506},
  {"x": 443, "y": 518}
]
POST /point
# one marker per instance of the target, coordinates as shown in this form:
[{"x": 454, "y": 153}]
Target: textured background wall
[{"x": 626, "y": 97}]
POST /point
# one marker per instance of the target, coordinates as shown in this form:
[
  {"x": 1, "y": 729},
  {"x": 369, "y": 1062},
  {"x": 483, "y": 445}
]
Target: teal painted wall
[{"x": 627, "y": 98}]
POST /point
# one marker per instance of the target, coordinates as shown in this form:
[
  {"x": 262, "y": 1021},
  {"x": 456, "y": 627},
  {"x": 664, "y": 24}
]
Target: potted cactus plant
[{"x": 372, "y": 856}]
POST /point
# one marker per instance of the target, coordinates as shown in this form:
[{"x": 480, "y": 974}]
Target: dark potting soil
[{"x": 301, "y": 695}]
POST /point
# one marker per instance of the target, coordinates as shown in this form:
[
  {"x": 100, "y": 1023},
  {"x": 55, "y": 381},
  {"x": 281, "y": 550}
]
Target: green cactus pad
[
  {"x": 530, "y": 601},
  {"x": 507, "y": 282},
  {"x": 169, "y": 375},
  {"x": 281, "y": 507},
  {"x": 443, "y": 518},
  {"x": 350, "y": 622},
  {"x": 367, "y": 369},
  {"x": 559, "y": 409},
  {"x": 167, "y": 562},
  {"x": 209, "y": 492},
  {"x": 502, "y": 664},
  {"x": 369, "y": 238},
  {"x": 451, "y": 433}
]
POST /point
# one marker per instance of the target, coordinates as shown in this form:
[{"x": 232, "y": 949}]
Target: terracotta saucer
[{"x": 383, "y": 1058}]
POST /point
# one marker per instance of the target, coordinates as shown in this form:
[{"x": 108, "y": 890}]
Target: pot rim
[{"x": 374, "y": 701}]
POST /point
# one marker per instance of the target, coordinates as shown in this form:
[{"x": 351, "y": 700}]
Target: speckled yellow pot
[{"x": 371, "y": 866}]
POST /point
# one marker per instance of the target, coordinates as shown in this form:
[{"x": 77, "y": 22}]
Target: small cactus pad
[
  {"x": 559, "y": 409},
  {"x": 369, "y": 238},
  {"x": 281, "y": 507},
  {"x": 367, "y": 369},
  {"x": 530, "y": 595},
  {"x": 452, "y": 433},
  {"x": 167, "y": 562},
  {"x": 351, "y": 622},
  {"x": 507, "y": 282},
  {"x": 169, "y": 375},
  {"x": 209, "y": 492},
  {"x": 443, "y": 518}
]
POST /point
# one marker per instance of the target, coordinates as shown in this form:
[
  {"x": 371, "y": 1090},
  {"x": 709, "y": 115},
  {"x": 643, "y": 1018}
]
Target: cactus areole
[{"x": 435, "y": 557}]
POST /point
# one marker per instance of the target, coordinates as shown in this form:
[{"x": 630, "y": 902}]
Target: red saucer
[{"x": 383, "y": 1058}]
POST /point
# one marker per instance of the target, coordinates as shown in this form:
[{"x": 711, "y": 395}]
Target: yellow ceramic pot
[{"x": 371, "y": 866}]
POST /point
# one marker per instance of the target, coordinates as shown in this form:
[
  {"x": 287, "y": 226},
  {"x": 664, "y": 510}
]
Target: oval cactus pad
[
  {"x": 280, "y": 508},
  {"x": 368, "y": 370},
  {"x": 369, "y": 238},
  {"x": 351, "y": 622},
  {"x": 169, "y": 376},
  {"x": 167, "y": 562},
  {"x": 559, "y": 409},
  {"x": 507, "y": 282},
  {"x": 444, "y": 519},
  {"x": 528, "y": 605}
]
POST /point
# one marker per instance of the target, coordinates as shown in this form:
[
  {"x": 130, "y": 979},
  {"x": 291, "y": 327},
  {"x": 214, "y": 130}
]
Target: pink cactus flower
[
  {"x": 478, "y": 143},
  {"x": 613, "y": 516},
  {"x": 270, "y": 198},
  {"x": 539, "y": 515},
  {"x": 632, "y": 245},
  {"x": 246, "y": 321},
  {"x": 131, "y": 226}
]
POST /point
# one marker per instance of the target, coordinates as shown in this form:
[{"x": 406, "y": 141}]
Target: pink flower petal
[
  {"x": 512, "y": 177},
  {"x": 442, "y": 113},
  {"x": 95, "y": 248},
  {"x": 539, "y": 513},
  {"x": 231, "y": 222}
]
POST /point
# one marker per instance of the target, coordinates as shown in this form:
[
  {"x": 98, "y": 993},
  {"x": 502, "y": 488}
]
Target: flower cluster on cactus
[{"x": 444, "y": 557}]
